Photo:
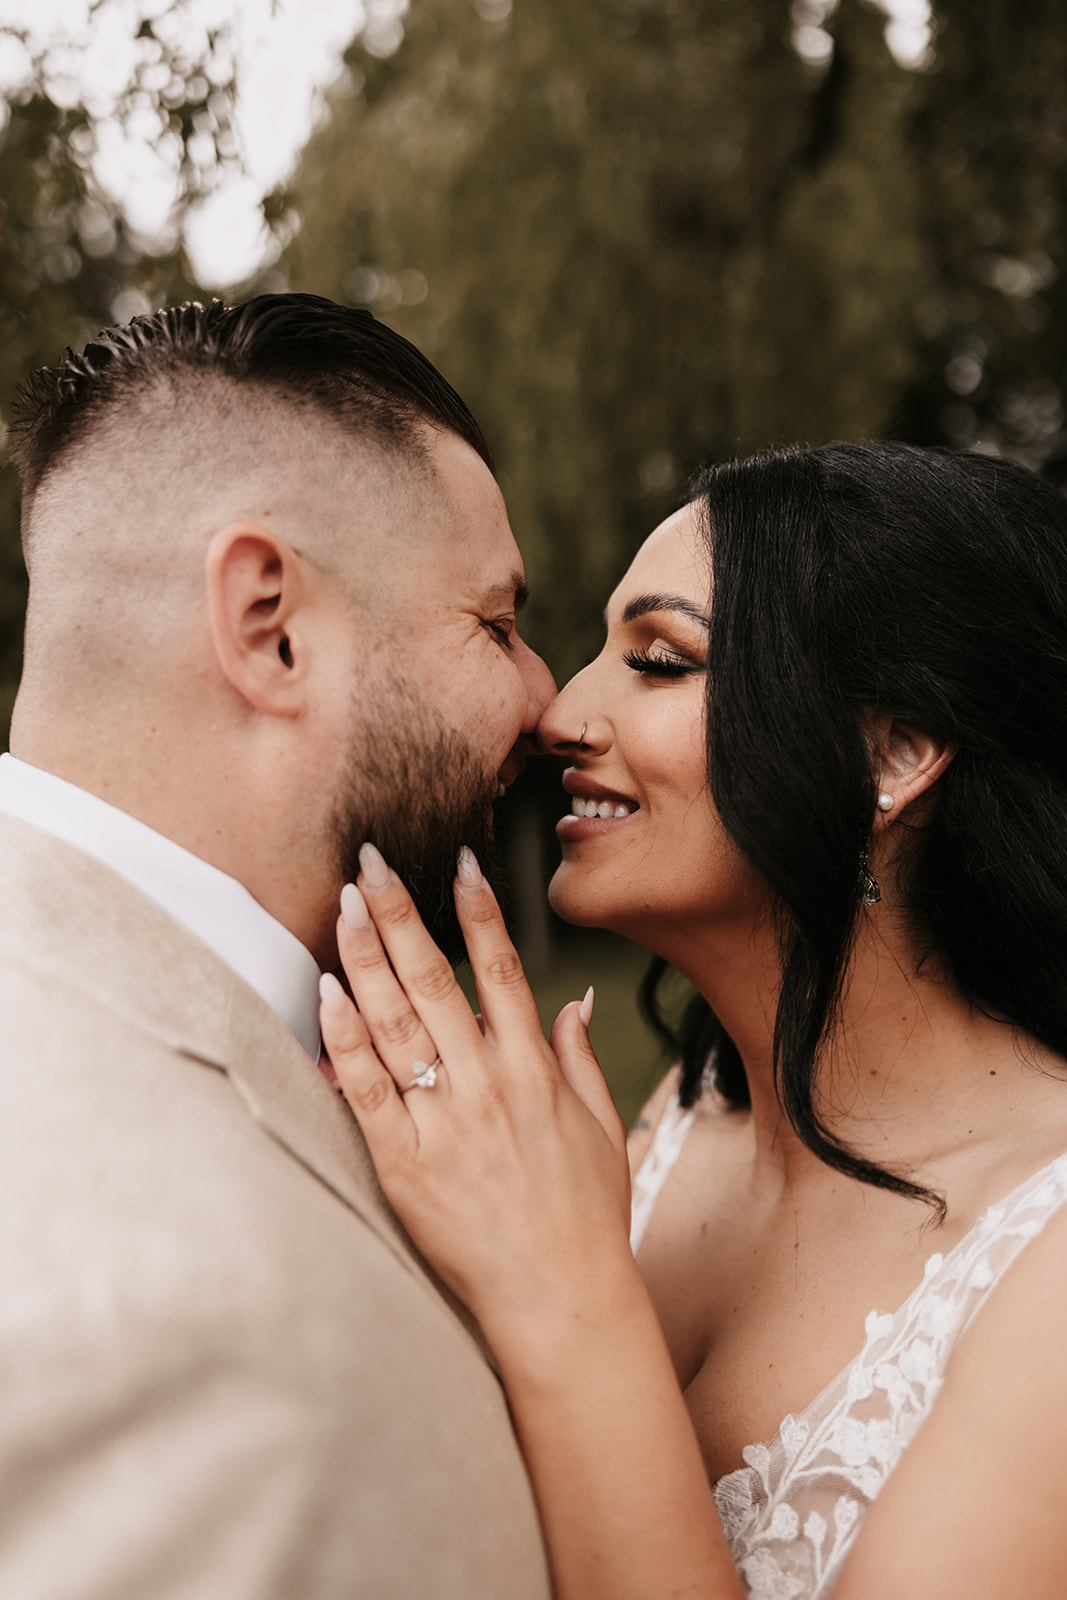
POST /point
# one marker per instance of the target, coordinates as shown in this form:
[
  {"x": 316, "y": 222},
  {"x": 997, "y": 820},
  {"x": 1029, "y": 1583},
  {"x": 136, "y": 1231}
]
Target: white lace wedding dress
[{"x": 792, "y": 1511}]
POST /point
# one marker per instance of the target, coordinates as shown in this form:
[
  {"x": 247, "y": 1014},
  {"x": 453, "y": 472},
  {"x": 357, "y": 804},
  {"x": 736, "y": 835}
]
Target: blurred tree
[
  {"x": 70, "y": 262},
  {"x": 637, "y": 233},
  {"x": 634, "y": 233},
  {"x": 989, "y": 137}
]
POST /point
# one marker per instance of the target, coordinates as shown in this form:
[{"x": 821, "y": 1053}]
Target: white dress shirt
[{"x": 210, "y": 903}]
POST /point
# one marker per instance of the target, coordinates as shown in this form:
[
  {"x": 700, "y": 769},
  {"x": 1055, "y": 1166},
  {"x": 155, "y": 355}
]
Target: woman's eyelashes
[{"x": 661, "y": 662}]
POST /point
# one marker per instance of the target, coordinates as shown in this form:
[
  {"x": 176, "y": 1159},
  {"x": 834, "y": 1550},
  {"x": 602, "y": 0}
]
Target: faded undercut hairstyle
[
  {"x": 301, "y": 348},
  {"x": 924, "y": 586}
]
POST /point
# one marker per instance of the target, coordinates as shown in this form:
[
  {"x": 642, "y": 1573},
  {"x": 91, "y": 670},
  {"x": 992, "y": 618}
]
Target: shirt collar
[{"x": 210, "y": 903}]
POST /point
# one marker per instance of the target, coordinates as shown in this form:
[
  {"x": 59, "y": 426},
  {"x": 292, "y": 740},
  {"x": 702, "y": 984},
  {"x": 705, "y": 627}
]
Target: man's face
[{"x": 445, "y": 705}]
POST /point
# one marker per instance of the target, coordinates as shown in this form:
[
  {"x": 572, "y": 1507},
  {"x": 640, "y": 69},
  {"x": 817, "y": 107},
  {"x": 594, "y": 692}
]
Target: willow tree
[
  {"x": 989, "y": 137},
  {"x": 634, "y": 235},
  {"x": 70, "y": 262},
  {"x": 639, "y": 234}
]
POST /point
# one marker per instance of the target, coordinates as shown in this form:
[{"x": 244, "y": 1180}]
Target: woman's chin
[{"x": 572, "y": 899}]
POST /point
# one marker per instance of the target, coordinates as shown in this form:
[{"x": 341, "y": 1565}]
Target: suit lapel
[
  {"x": 67, "y": 915},
  {"x": 288, "y": 1096}
]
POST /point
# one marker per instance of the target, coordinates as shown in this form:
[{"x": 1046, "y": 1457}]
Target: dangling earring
[{"x": 867, "y": 890}]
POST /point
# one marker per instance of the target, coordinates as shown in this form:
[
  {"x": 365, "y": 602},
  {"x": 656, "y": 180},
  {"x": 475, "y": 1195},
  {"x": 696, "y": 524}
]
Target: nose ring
[{"x": 581, "y": 736}]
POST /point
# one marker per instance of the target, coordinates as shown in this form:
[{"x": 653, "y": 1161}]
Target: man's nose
[{"x": 540, "y": 686}]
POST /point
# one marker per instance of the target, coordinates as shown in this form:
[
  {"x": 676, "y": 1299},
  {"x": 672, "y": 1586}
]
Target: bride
[{"x": 820, "y": 767}]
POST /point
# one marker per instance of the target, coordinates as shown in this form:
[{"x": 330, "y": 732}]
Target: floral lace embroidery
[{"x": 793, "y": 1511}]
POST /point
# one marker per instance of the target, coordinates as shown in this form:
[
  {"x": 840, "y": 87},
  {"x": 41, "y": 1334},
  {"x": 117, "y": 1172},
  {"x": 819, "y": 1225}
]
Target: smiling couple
[{"x": 273, "y": 673}]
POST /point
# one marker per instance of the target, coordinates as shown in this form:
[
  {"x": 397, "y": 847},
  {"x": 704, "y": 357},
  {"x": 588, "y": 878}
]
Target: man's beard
[{"x": 413, "y": 788}]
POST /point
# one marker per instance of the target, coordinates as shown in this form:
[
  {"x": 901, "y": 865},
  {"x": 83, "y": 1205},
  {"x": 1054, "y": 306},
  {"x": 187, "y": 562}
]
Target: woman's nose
[{"x": 568, "y": 722}]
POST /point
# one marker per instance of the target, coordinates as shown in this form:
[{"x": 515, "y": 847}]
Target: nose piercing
[{"x": 581, "y": 736}]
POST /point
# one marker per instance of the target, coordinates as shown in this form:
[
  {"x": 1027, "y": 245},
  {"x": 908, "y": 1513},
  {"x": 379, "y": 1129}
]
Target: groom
[{"x": 272, "y": 614}]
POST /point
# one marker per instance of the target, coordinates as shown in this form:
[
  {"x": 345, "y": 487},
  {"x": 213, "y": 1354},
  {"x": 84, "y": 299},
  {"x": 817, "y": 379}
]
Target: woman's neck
[{"x": 911, "y": 1074}]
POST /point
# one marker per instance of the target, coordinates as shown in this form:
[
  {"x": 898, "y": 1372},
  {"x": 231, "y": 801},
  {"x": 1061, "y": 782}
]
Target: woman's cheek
[{"x": 674, "y": 756}]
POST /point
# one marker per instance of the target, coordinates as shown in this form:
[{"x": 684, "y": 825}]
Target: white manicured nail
[
  {"x": 585, "y": 1010},
  {"x": 331, "y": 993},
  {"x": 468, "y": 871},
  {"x": 373, "y": 866},
  {"x": 354, "y": 911}
]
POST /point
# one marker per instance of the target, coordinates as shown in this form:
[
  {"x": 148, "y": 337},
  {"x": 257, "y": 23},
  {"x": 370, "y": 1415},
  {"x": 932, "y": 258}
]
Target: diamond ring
[{"x": 425, "y": 1075}]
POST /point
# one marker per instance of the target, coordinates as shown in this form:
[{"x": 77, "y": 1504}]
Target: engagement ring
[{"x": 425, "y": 1075}]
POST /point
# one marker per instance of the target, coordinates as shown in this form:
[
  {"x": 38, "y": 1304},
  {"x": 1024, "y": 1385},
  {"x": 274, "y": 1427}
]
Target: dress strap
[{"x": 651, "y": 1175}]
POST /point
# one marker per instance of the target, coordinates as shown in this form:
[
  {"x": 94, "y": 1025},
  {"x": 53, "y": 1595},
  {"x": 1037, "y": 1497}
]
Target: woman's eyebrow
[{"x": 642, "y": 604}]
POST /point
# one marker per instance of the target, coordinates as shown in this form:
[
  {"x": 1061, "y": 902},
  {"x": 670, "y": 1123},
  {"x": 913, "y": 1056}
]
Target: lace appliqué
[
  {"x": 651, "y": 1175},
  {"x": 792, "y": 1512}
]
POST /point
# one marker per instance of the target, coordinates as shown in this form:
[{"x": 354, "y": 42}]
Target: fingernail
[
  {"x": 468, "y": 871},
  {"x": 331, "y": 993},
  {"x": 372, "y": 864},
  {"x": 585, "y": 1010},
  {"x": 354, "y": 911}
]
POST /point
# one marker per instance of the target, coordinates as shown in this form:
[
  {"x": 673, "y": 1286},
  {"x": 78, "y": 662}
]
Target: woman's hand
[{"x": 510, "y": 1171}]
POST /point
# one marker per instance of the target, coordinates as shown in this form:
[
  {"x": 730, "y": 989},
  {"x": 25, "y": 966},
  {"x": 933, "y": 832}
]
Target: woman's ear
[
  {"x": 910, "y": 764},
  {"x": 255, "y": 584}
]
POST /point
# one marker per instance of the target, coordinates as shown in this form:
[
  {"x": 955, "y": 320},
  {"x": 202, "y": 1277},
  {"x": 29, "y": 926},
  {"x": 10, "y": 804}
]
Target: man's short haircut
[{"x": 300, "y": 348}]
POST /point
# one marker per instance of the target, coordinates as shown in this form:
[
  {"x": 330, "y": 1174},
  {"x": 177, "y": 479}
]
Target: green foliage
[
  {"x": 68, "y": 257},
  {"x": 990, "y": 139},
  {"x": 636, "y": 235}
]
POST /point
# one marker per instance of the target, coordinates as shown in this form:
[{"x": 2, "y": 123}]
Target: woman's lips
[{"x": 570, "y": 827}]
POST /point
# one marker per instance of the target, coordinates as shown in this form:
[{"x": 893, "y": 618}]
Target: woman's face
[{"x": 653, "y": 862}]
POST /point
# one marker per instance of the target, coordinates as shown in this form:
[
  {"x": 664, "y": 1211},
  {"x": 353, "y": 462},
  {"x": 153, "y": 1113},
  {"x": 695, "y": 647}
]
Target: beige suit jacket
[{"x": 224, "y": 1374}]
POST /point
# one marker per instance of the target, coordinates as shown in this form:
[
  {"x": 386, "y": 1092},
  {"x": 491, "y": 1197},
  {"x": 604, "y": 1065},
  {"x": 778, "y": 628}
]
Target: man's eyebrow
[
  {"x": 641, "y": 605},
  {"x": 513, "y": 592}
]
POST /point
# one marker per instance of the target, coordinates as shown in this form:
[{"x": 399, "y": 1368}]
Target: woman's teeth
[{"x": 593, "y": 808}]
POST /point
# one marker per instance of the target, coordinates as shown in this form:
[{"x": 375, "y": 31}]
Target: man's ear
[
  {"x": 255, "y": 585},
  {"x": 910, "y": 764}
]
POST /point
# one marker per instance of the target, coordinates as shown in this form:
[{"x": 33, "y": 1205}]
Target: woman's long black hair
[{"x": 925, "y": 586}]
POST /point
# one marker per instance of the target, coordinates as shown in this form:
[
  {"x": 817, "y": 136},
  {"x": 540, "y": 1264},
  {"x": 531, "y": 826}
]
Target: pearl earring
[{"x": 885, "y": 802}]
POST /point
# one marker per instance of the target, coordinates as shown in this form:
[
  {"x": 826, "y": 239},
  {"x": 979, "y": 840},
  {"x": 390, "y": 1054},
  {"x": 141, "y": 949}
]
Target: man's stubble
[{"x": 414, "y": 787}]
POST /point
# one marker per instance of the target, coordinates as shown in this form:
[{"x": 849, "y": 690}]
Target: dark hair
[
  {"x": 300, "y": 347},
  {"x": 926, "y": 586}
]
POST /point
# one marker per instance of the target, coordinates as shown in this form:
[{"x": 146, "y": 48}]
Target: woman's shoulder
[
  {"x": 650, "y": 1116},
  {"x": 662, "y": 1106},
  {"x": 982, "y": 1485}
]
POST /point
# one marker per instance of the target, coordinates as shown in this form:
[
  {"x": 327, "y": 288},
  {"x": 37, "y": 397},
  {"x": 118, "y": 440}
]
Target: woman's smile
[{"x": 594, "y": 809}]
